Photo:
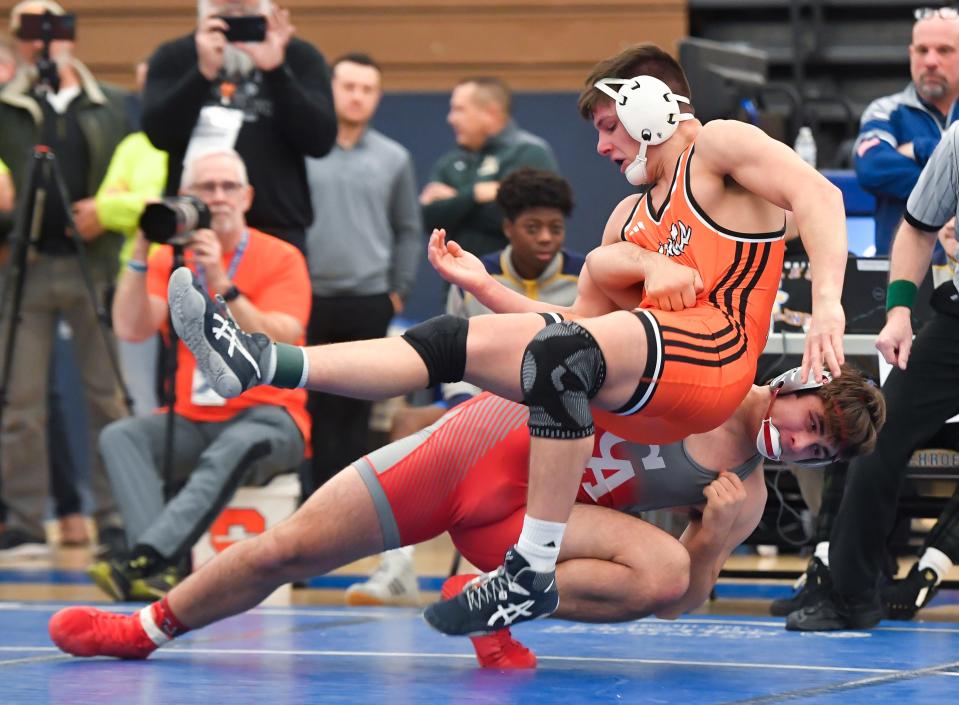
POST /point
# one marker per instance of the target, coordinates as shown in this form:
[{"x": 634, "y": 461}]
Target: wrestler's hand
[
  {"x": 671, "y": 285},
  {"x": 456, "y": 265},
  {"x": 895, "y": 339},
  {"x": 725, "y": 497},
  {"x": 824, "y": 344}
]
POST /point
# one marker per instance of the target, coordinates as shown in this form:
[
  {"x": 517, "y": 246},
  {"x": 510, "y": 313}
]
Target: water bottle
[{"x": 806, "y": 146}]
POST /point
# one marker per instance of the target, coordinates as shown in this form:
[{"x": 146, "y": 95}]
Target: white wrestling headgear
[
  {"x": 768, "y": 441},
  {"x": 649, "y": 111}
]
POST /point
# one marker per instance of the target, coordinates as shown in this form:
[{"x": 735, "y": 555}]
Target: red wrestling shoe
[
  {"x": 87, "y": 631},
  {"x": 496, "y": 650}
]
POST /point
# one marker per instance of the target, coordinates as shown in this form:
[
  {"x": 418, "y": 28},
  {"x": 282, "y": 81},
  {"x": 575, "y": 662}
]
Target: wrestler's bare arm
[
  {"x": 772, "y": 171},
  {"x": 465, "y": 270},
  {"x": 792, "y": 229},
  {"x": 709, "y": 550}
]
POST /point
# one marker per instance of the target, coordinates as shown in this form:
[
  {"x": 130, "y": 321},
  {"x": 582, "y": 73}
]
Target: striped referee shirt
[{"x": 934, "y": 199}]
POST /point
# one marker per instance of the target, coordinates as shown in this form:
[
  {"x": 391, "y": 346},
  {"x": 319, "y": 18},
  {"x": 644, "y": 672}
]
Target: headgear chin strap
[
  {"x": 768, "y": 440},
  {"x": 649, "y": 111}
]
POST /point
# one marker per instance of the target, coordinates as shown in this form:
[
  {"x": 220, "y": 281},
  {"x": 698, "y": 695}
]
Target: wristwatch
[{"x": 231, "y": 294}]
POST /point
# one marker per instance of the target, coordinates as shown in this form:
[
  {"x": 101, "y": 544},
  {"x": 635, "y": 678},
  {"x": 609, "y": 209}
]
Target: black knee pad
[
  {"x": 552, "y": 317},
  {"x": 563, "y": 368},
  {"x": 441, "y": 342}
]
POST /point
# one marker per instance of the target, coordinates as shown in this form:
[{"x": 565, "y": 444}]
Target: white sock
[
  {"x": 266, "y": 375},
  {"x": 937, "y": 560},
  {"x": 406, "y": 552},
  {"x": 822, "y": 552},
  {"x": 539, "y": 543},
  {"x": 150, "y": 626},
  {"x": 306, "y": 370}
]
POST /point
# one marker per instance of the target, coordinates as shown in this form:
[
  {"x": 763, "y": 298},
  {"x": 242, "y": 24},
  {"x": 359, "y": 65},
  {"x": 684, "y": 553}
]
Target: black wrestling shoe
[
  {"x": 901, "y": 599},
  {"x": 834, "y": 612},
  {"x": 231, "y": 360},
  {"x": 511, "y": 594},
  {"x": 810, "y": 588}
]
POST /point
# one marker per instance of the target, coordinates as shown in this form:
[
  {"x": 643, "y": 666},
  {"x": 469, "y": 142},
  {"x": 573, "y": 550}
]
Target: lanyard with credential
[{"x": 234, "y": 261}]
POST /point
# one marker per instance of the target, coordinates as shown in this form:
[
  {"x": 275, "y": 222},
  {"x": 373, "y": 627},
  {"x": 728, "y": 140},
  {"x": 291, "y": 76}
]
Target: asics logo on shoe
[
  {"x": 509, "y": 613},
  {"x": 228, "y": 329}
]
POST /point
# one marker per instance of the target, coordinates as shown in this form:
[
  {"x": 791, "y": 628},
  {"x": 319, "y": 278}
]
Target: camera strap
[{"x": 234, "y": 260}]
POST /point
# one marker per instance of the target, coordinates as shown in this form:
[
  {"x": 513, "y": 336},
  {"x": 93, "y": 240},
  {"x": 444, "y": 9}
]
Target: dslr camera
[{"x": 173, "y": 220}]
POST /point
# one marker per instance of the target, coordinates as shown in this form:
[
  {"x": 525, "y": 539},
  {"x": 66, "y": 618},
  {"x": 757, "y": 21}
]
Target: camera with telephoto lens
[{"x": 173, "y": 221}]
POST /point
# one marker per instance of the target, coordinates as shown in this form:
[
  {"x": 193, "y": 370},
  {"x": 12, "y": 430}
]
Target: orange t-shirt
[{"x": 272, "y": 274}]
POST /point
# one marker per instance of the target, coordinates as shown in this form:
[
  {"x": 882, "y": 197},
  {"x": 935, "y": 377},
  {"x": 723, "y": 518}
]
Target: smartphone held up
[{"x": 245, "y": 28}]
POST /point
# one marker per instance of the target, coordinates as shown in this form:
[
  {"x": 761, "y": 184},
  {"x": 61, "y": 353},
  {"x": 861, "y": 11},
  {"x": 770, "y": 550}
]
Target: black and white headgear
[
  {"x": 768, "y": 440},
  {"x": 649, "y": 111}
]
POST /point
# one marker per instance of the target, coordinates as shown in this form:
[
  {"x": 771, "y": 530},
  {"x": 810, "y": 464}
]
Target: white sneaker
[{"x": 392, "y": 583}]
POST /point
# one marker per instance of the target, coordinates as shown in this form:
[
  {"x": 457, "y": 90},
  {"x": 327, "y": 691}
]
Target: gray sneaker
[{"x": 231, "y": 359}]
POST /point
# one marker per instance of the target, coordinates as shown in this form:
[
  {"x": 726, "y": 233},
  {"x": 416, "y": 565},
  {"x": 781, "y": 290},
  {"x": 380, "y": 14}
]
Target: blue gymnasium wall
[{"x": 418, "y": 121}]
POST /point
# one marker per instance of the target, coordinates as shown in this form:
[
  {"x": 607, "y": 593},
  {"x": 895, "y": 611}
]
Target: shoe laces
[
  {"x": 490, "y": 588},
  {"x": 229, "y": 329}
]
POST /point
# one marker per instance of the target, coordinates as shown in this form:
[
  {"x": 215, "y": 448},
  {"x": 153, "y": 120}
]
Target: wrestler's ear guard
[
  {"x": 768, "y": 441},
  {"x": 649, "y": 111},
  {"x": 791, "y": 381}
]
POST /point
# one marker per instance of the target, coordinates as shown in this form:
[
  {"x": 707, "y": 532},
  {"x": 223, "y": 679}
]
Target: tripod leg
[
  {"x": 29, "y": 201},
  {"x": 95, "y": 300}
]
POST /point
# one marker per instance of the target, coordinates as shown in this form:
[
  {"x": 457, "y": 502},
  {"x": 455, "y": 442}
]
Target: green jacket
[
  {"x": 479, "y": 227},
  {"x": 103, "y": 119}
]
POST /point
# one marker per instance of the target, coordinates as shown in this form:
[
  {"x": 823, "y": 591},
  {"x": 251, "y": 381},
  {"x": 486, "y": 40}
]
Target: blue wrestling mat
[{"x": 293, "y": 656}]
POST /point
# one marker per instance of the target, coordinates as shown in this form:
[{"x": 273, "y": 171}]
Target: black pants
[
  {"x": 918, "y": 402},
  {"x": 341, "y": 425},
  {"x": 834, "y": 480},
  {"x": 64, "y": 473}
]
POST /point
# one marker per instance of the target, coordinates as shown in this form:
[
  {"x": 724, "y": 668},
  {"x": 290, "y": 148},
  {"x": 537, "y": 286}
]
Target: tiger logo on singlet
[{"x": 740, "y": 271}]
